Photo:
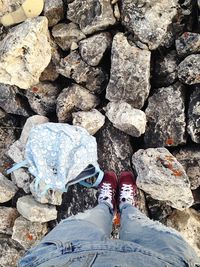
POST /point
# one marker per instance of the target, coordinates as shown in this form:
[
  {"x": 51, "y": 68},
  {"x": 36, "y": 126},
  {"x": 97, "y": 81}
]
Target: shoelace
[
  {"x": 126, "y": 193},
  {"x": 106, "y": 191}
]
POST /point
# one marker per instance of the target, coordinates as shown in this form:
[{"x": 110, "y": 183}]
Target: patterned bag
[{"x": 59, "y": 155}]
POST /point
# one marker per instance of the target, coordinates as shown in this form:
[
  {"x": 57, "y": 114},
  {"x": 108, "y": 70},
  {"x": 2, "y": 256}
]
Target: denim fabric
[{"x": 83, "y": 241}]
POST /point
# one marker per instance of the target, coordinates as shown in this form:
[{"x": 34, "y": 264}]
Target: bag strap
[
  {"x": 16, "y": 166},
  {"x": 96, "y": 170}
]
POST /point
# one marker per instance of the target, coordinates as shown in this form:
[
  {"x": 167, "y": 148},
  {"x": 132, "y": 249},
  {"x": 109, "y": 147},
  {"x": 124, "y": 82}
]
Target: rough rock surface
[
  {"x": 193, "y": 126},
  {"x": 42, "y": 98},
  {"x": 54, "y": 11},
  {"x": 66, "y": 34},
  {"x": 189, "y": 70},
  {"x": 8, "y": 216},
  {"x": 34, "y": 211},
  {"x": 16, "y": 151},
  {"x": 24, "y": 53},
  {"x": 189, "y": 157},
  {"x": 11, "y": 100},
  {"x": 188, "y": 43},
  {"x": 93, "y": 48},
  {"x": 165, "y": 71},
  {"x": 148, "y": 21},
  {"x": 7, "y": 189},
  {"x": 7, "y": 6},
  {"x": 28, "y": 233},
  {"x": 91, "y": 15},
  {"x": 163, "y": 177},
  {"x": 127, "y": 119},
  {"x": 187, "y": 222},
  {"x": 73, "y": 67},
  {"x": 92, "y": 120},
  {"x": 22, "y": 178},
  {"x": 72, "y": 99},
  {"x": 114, "y": 149},
  {"x": 166, "y": 117},
  {"x": 31, "y": 122},
  {"x": 127, "y": 64}
]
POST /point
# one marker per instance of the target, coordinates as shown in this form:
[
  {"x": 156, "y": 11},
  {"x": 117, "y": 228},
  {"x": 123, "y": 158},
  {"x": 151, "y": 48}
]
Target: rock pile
[{"x": 128, "y": 72}]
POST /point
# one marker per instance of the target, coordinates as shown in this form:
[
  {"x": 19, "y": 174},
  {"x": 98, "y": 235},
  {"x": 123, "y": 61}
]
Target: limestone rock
[
  {"x": 24, "y": 53},
  {"x": 187, "y": 222},
  {"x": 163, "y": 177},
  {"x": 127, "y": 119},
  {"x": 148, "y": 21},
  {"x": 165, "y": 71},
  {"x": 22, "y": 178},
  {"x": 189, "y": 70},
  {"x": 127, "y": 64},
  {"x": 90, "y": 15},
  {"x": 54, "y": 11},
  {"x": 92, "y": 120},
  {"x": 188, "y": 43},
  {"x": 189, "y": 157},
  {"x": 93, "y": 48},
  {"x": 31, "y": 122},
  {"x": 7, "y": 189},
  {"x": 8, "y": 216},
  {"x": 7, "y": 6},
  {"x": 193, "y": 126},
  {"x": 73, "y": 67},
  {"x": 28, "y": 233},
  {"x": 34, "y": 211},
  {"x": 114, "y": 149},
  {"x": 166, "y": 117},
  {"x": 65, "y": 34},
  {"x": 11, "y": 252},
  {"x": 74, "y": 98},
  {"x": 11, "y": 100},
  {"x": 16, "y": 151},
  {"x": 42, "y": 98}
]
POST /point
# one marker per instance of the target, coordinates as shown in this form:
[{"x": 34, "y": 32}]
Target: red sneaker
[
  {"x": 108, "y": 189},
  {"x": 127, "y": 188}
]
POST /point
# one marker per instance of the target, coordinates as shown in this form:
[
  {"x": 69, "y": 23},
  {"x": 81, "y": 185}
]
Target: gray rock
[
  {"x": 189, "y": 157},
  {"x": 31, "y": 122},
  {"x": 54, "y": 11},
  {"x": 163, "y": 177},
  {"x": 8, "y": 6},
  {"x": 28, "y": 233},
  {"x": 34, "y": 211},
  {"x": 74, "y": 98},
  {"x": 165, "y": 71},
  {"x": 188, "y": 43},
  {"x": 8, "y": 216},
  {"x": 166, "y": 117},
  {"x": 127, "y": 119},
  {"x": 11, "y": 252},
  {"x": 42, "y": 97},
  {"x": 92, "y": 120},
  {"x": 187, "y": 222},
  {"x": 11, "y": 101},
  {"x": 189, "y": 70},
  {"x": 193, "y": 126},
  {"x": 22, "y": 178},
  {"x": 65, "y": 34},
  {"x": 16, "y": 151},
  {"x": 114, "y": 149},
  {"x": 91, "y": 15},
  {"x": 75, "y": 68},
  {"x": 126, "y": 82},
  {"x": 24, "y": 53},
  {"x": 148, "y": 21},
  {"x": 50, "y": 197},
  {"x": 7, "y": 189},
  {"x": 93, "y": 48},
  {"x": 50, "y": 73}
]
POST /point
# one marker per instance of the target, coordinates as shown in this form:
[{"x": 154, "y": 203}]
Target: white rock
[
  {"x": 16, "y": 151},
  {"x": 127, "y": 119},
  {"x": 163, "y": 177},
  {"x": 24, "y": 53},
  {"x": 92, "y": 120},
  {"x": 34, "y": 211},
  {"x": 8, "y": 216},
  {"x": 31, "y": 122},
  {"x": 28, "y": 233},
  {"x": 7, "y": 189},
  {"x": 22, "y": 178}
]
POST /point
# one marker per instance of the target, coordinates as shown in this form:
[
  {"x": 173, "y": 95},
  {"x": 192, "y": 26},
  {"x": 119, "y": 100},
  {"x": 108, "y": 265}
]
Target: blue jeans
[{"x": 83, "y": 240}]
